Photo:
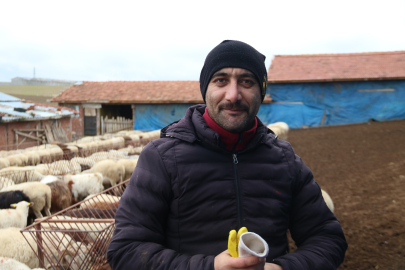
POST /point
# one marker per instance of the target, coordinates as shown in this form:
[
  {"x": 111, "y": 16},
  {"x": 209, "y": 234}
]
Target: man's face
[{"x": 233, "y": 99}]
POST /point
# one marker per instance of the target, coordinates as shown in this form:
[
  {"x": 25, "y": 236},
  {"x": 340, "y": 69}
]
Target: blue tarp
[
  {"x": 337, "y": 102},
  {"x": 156, "y": 116},
  {"x": 305, "y": 104}
]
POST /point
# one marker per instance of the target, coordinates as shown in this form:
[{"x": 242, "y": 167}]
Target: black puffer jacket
[{"x": 187, "y": 192}]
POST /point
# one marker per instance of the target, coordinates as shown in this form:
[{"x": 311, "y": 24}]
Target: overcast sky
[{"x": 168, "y": 40}]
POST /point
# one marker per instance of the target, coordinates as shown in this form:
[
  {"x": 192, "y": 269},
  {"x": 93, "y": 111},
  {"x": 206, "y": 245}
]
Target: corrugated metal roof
[
  {"x": 16, "y": 104},
  {"x": 5, "y": 97},
  {"x": 33, "y": 111}
]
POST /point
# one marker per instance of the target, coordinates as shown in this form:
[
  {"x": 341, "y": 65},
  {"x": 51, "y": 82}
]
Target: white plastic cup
[{"x": 252, "y": 244}]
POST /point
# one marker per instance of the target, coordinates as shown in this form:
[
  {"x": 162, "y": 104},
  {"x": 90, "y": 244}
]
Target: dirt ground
[{"x": 362, "y": 167}]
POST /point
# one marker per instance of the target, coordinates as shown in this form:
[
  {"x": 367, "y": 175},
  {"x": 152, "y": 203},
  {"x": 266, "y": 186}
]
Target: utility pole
[{"x": 34, "y": 72}]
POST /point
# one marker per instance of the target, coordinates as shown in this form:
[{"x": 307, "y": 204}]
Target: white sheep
[
  {"x": 83, "y": 185},
  {"x": 280, "y": 128},
  {"x": 15, "y": 246},
  {"x": 49, "y": 178},
  {"x": 40, "y": 195},
  {"x": 328, "y": 200},
  {"x": 15, "y": 217},
  {"x": 5, "y": 182},
  {"x": 14, "y": 160},
  {"x": 62, "y": 167},
  {"x": 33, "y": 157},
  {"x": 101, "y": 201},
  {"x": 83, "y": 161},
  {"x": 4, "y": 163},
  {"x": 129, "y": 165},
  {"x": 112, "y": 172},
  {"x": 117, "y": 154},
  {"x": 11, "y": 264}
]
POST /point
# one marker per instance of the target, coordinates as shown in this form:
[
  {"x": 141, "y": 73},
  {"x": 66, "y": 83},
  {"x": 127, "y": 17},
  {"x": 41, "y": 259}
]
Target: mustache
[{"x": 233, "y": 106}]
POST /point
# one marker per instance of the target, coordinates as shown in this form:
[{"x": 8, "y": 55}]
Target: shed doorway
[{"x": 116, "y": 118}]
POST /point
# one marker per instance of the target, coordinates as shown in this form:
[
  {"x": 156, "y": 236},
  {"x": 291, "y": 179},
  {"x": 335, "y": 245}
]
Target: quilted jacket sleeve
[
  {"x": 139, "y": 237},
  {"x": 316, "y": 231}
]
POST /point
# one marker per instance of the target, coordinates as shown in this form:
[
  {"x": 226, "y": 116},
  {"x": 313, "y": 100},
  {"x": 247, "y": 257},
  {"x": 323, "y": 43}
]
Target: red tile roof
[
  {"x": 132, "y": 92},
  {"x": 337, "y": 67}
]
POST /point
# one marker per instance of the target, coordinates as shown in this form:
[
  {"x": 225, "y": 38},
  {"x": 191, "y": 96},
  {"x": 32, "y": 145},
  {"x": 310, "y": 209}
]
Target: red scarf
[{"x": 229, "y": 138}]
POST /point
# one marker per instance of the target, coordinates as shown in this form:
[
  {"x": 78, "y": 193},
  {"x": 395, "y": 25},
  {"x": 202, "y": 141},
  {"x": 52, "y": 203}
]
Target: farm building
[
  {"x": 26, "y": 124},
  {"x": 332, "y": 89},
  {"x": 149, "y": 105}
]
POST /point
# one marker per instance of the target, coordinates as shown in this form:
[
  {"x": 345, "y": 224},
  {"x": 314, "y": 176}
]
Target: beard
[{"x": 230, "y": 124}]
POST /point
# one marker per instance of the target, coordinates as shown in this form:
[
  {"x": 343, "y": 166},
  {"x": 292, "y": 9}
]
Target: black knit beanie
[{"x": 233, "y": 53}]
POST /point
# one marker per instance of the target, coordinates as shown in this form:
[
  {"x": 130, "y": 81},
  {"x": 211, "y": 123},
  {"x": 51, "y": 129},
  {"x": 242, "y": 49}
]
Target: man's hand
[
  {"x": 225, "y": 261},
  {"x": 272, "y": 266}
]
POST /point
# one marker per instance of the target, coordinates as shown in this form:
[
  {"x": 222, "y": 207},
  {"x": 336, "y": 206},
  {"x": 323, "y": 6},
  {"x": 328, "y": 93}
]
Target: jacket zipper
[{"x": 235, "y": 166}]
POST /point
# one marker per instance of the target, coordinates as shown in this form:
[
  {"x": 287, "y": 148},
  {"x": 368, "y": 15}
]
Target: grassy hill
[
  {"x": 35, "y": 93},
  {"x": 32, "y": 90}
]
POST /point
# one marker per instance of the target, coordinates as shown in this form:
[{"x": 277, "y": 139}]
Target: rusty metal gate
[{"x": 77, "y": 237}]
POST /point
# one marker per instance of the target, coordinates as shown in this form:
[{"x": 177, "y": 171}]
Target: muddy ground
[{"x": 362, "y": 167}]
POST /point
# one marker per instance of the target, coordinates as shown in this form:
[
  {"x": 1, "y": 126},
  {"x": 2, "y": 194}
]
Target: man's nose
[{"x": 233, "y": 92}]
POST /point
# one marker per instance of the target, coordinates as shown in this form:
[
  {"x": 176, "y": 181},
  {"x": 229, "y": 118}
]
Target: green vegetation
[{"x": 32, "y": 90}]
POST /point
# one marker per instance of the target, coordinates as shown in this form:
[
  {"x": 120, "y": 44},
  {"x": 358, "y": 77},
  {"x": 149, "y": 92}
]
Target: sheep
[
  {"x": 9, "y": 197},
  {"x": 50, "y": 178},
  {"x": 101, "y": 201},
  {"x": 39, "y": 193},
  {"x": 83, "y": 161},
  {"x": 32, "y": 158},
  {"x": 279, "y": 128},
  {"x": 61, "y": 196},
  {"x": 4, "y": 163},
  {"x": 115, "y": 154},
  {"x": 14, "y": 246},
  {"x": 5, "y": 182},
  {"x": 91, "y": 213},
  {"x": 112, "y": 172},
  {"x": 21, "y": 174},
  {"x": 129, "y": 165},
  {"x": 328, "y": 200},
  {"x": 15, "y": 217},
  {"x": 61, "y": 247},
  {"x": 83, "y": 185},
  {"x": 14, "y": 160},
  {"x": 11, "y": 264},
  {"x": 99, "y": 156},
  {"x": 62, "y": 167}
]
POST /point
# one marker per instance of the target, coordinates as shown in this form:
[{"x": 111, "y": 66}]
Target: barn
[
  {"x": 333, "y": 89},
  {"x": 143, "y": 105}
]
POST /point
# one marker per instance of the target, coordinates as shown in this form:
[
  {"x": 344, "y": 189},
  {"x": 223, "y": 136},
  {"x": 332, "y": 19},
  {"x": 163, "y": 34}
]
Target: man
[{"x": 219, "y": 169}]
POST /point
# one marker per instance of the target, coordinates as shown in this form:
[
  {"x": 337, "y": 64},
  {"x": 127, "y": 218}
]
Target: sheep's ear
[{"x": 14, "y": 205}]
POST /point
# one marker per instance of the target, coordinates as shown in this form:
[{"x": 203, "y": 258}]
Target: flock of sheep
[
  {"x": 44, "y": 180},
  {"x": 49, "y": 179}
]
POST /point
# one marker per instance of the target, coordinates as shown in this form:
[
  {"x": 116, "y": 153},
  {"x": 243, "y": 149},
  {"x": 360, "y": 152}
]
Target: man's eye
[
  {"x": 248, "y": 82},
  {"x": 220, "y": 80}
]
